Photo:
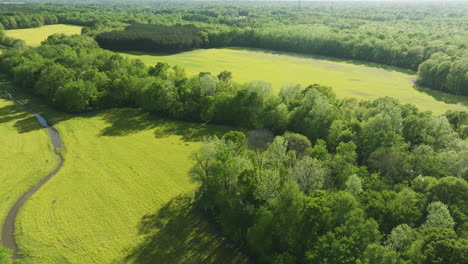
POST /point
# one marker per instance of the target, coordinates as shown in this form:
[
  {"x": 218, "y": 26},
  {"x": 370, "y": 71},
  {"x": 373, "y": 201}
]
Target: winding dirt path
[{"x": 8, "y": 228}]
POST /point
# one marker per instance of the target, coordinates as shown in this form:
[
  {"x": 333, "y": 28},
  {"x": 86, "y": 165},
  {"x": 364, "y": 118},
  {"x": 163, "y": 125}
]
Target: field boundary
[{"x": 8, "y": 227}]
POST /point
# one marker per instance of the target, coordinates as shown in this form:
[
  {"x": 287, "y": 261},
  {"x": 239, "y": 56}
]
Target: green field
[
  {"x": 348, "y": 79},
  {"x": 26, "y": 154},
  {"x": 34, "y": 36},
  {"x": 121, "y": 196}
]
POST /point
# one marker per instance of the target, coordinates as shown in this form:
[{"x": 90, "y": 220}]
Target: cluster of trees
[
  {"x": 430, "y": 37},
  {"x": 347, "y": 181},
  {"x": 150, "y": 37},
  {"x": 290, "y": 201},
  {"x": 445, "y": 73},
  {"x": 441, "y": 66},
  {"x": 367, "y": 181},
  {"x": 9, "y": 42},
  {"x": 74, "y": 74},
  {"x": 26, "y": 20}
]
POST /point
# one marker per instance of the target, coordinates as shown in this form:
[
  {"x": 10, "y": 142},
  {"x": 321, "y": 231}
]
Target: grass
[
  {"x": 34, "y": 36},
  {"x": 121, "y": 196},
  {"x": 347, "y": 78},
  {"x": 26, "y": 154}
]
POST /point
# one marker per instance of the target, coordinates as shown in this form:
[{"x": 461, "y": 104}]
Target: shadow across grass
[
  {"x": 305, "y": 55},
  {"x": 122, "y": 121},
  {"x": 298, "y": 55},
  {"x": 26, "y": 122},
  {"x": 12, "y": 112},
  {"x": 125, "y": 121},
  {"x": 177, "y": 234},
  {"x": 443, "y": 97}
]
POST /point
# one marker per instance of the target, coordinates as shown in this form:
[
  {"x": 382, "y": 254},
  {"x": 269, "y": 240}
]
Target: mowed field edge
[
  {"x": 26, "y": 154},
  {"x": 348, "y": 78},
  {"x": 123, "y": 194},
  {"x": 34, "y": 36}
]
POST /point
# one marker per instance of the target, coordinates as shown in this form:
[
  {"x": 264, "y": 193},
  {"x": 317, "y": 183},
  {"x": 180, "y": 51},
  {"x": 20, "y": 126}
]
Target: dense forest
[
  {"x": 15, "y": 20},
  {"x": 146, "y": 37},
  {"x": 317, "y": 180},
  {"x": 6, "y": 42},
  {"x": 429, "y": 38}
]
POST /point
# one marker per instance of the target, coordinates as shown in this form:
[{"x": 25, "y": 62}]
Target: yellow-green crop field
[
  {"x": 34, "y": 36},
  {"x": 26, "y": 154},
  {"x": 348, "y": 79},
  {"x": 122, "y": 196}
]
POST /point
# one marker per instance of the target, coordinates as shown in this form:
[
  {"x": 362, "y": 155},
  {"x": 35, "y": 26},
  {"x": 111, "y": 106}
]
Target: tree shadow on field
[
  {"x": 125, "y": 121},
  {"x": 330, "y": 58},
  {"x": 27, "y": 125},
  {"x": 188, "y": 131},
  {"x": 12, "y": 112},
  {"x": 25, "y": 120},
  {"x": 443, "y": 97},
  {"x": 177, "y": 234}
]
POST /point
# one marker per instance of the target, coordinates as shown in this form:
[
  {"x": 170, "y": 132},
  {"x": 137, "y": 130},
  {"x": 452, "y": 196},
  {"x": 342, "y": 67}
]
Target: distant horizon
[{"x": 168, "y": 1}]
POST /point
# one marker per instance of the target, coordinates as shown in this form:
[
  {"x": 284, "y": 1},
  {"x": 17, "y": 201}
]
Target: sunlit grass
[
  {"x": 34, "y": 36},
  {"x": 26, "y": 154},
  {"x": 347, "y": 78},
  {"x": 122, "y": 167}
]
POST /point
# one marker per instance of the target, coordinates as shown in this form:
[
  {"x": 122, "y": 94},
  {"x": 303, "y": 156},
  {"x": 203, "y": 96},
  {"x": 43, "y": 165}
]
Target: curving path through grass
[{"x": 8, "y": 228}]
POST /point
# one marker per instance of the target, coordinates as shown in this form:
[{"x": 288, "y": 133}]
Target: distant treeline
[
  {"x": 26, "y": 20},
  {"x": 426, "y": 37},
  {"x": 9, "y": 42},
  {"x": 352, "y": 182},
  {"x": 439, "y": 70},
  {"x": 145, "y": 37}
]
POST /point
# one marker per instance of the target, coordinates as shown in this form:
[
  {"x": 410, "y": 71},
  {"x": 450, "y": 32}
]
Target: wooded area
[
  {"x": 317, "y": 179},
  {"x": 404, "y": 171},
  {"x": 431, "y": 40},
  {"x": 155, "y": 38}
]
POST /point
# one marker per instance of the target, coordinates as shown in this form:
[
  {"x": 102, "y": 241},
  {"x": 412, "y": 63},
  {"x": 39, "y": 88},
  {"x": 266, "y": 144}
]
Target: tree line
[
  {"x": 429, "y": 38},
  {"x": 147, "y": 37},
  {"x": 17, "y": 20},
  {"x": 440, "y": 66},
  {"x": 6, "y": 42},
  {"x": 318, "y": 180},
  {"x": 290, "y": 201}
]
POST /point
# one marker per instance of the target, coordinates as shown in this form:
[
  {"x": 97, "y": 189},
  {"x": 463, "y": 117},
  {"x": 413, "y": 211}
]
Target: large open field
[
  {"x": 26, "y": 154},
  {"x": 34, "y": 36},
  {"x": 120, "y": 196},
  {"x": 348, "y": 79}
]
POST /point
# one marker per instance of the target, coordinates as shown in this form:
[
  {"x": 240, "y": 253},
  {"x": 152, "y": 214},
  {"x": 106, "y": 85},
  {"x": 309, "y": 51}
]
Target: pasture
[
  {"x": 34, "y": 36},
  {"x": 347, "y": 78},
  {"x": 122, "y": 196},
  {"x": 26, "y": 154}
]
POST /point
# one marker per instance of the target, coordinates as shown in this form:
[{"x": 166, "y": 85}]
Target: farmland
[
  {"x": 240, "y": 132},
  {"x": 26, "y": 155},
  {"x": 347, "y": 78},
  {"x": 122, "y": 168},
  {"x": 34, "y": 36}
]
